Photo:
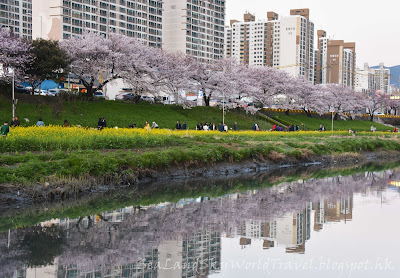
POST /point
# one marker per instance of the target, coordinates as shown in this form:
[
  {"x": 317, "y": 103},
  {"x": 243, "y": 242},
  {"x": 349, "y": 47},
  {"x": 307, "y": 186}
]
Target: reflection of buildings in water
[
  {"x": 143, "y": 268},
  {"x": 197, "y": 256},
  {"x": 292, "y": 231},
  {"x": 333, "y": 211},
  {"x": 122, "y": 237}
]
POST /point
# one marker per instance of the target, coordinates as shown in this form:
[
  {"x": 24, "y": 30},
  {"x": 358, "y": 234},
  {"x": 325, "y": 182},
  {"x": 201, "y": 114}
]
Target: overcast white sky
[{"x": 373, "y": 24}]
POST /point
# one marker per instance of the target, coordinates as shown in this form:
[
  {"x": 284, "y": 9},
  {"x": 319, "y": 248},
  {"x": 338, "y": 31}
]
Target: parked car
[
  {"x": 22, "y": 90},
  {"x": 125, "y": 96},
  {"x": 40, "y": 93},
  {"x": 99, "y": 94},
  {"x": 147, "y": 98},
  {"x": 56, "y": 92}
]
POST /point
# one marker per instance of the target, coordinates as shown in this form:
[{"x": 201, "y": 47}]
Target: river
[{"x": 325, "y": 224}]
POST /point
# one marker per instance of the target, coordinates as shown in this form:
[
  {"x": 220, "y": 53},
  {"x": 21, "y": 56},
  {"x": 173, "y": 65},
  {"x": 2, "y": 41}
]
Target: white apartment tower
[
  {"x": 17, "y": 15},
  {"x": 61, "y": 19},
  {"x": 365, "y": 80},
  {"x": 382, "y": 77},
  {"x": 286, "y": 43},
  {"x": 194, "y": 27}
]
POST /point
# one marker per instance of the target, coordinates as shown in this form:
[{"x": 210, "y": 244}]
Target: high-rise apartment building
[
  {"x": 286, "y": 42},
  {"x": 382, "y": 78},
  {"x": 194, "y": 27},
  {"x": 17, "y": 15},
  {"x": 365, "y": 80},
  {"x": 61, "y": 19},
  {"x": 335, "y": 61}
]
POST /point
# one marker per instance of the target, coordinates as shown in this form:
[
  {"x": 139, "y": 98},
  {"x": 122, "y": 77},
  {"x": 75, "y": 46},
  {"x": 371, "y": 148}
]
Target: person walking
[
  {"x": 40, "y": 123},
  {"x": 235, "y": 127},
  {"x": 5, "y": 129},
  {"x": 178, "y": 125}
]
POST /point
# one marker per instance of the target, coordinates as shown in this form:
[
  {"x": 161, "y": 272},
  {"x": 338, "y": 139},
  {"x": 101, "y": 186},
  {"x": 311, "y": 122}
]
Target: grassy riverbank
[
  {"x": 61, "y": 155},
  {"x": 121, "y": 114}
]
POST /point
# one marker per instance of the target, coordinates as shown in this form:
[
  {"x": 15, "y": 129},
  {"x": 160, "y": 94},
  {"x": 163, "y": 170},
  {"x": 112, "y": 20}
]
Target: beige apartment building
[
  {"x": 194, "y": 27},
  {"x": 286, "y": 43},
  {"x": 335, "y": 61},
  {"x": 61, "y": 19}
]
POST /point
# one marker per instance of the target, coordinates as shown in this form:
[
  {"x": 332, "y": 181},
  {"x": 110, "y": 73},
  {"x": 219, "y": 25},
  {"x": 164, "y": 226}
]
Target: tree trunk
[
  {"x": 336, "y": 117},
  {"x": 308, "y": 112},
  {"x": 207, "y": 99},
  {"x": 371, "y": 117}
]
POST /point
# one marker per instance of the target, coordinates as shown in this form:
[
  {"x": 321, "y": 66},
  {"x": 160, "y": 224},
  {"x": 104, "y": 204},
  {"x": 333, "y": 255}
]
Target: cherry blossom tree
[
  {"x": 212, "y": 78},
  {"x": 14, "y": 54},
  {"x": 96, "y": 58},
  {"x": 338, "y": 98},
  {"x": 375, "y": 102},
  {"x": 170, "y": 74}
]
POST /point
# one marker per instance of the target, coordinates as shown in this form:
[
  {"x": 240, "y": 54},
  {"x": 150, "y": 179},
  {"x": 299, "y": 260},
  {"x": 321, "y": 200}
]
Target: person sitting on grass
[
  {"x": 66, "y": 123},
  {"x": 184, "y": 126},
  {"x": 5, "y": 129},
  {"x": 154, "y": 125},
  {"x": 132, "y": 126},
  {"x": 40, "y": 123}
]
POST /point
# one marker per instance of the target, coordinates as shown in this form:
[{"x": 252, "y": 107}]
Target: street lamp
[
  {"x": 332, "y": 110},
  {"x": 223, "y": 108},
  {"x": 13, "y": 91}
]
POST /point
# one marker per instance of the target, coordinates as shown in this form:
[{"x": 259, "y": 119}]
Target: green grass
[
  {"x": 314, "y": 122},
  {"x": 121, "y": 114},
  {"x": 198, "y": 149}
]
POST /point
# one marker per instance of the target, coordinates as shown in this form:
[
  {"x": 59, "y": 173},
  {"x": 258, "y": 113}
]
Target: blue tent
[{"x": 46, "y": 85}]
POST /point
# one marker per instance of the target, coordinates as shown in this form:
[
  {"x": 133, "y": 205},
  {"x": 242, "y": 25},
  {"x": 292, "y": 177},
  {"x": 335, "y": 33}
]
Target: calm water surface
[{"x": 343, "y": 226}]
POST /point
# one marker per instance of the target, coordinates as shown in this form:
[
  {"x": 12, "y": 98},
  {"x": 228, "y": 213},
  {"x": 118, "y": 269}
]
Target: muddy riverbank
[{"x": 16, "y": 196}]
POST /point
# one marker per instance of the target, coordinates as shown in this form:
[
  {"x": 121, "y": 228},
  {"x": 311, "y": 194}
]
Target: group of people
[
  {"x": 5, "y": 128},
  {"x": 289, "y": 128},
  {"x": 146, "y": 126},
  {"x": 222, "y": 127},
  {"x": 180, "y": 126},
  {"x": 322, "y": 128}
]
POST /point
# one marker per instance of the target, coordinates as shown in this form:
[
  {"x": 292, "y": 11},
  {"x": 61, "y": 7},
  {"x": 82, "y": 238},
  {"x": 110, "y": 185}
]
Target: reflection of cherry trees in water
[
  {"x": 102, "y": 241},
  {"x": 31, "y": 246}
]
